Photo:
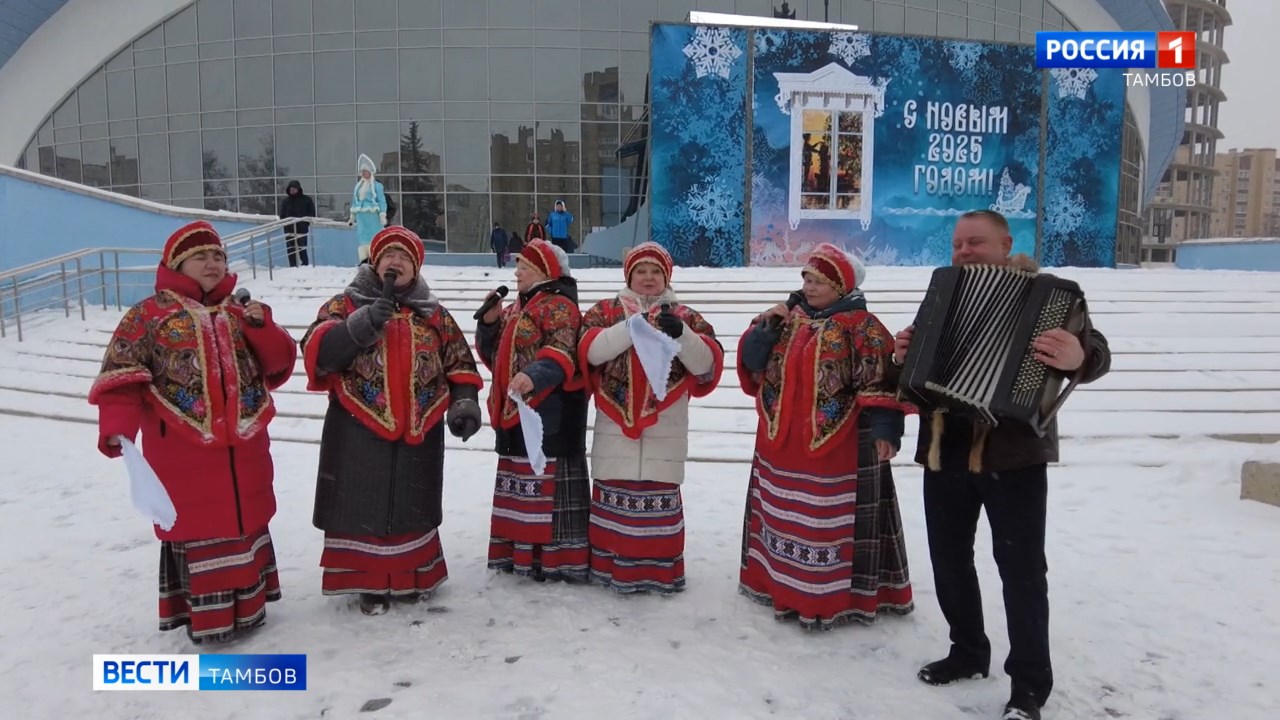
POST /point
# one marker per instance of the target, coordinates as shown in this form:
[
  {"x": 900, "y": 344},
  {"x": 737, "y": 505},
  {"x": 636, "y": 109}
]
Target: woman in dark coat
[{"x": 395, "y": 364}]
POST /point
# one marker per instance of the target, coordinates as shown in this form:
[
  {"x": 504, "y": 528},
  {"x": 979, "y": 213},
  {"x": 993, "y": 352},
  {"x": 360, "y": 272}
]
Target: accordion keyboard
[{"x": 1029, "y": 382}]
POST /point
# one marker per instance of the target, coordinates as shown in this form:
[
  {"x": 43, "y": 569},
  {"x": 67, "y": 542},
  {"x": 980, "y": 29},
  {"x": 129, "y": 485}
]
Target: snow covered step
[
  {"x": 716, "y": 434},
  {"x": 84, "y": 361},
  {"x": 727, "y": 397},
  {"x": 92, "y": 348},
  {"x": 464, "y": 302}
]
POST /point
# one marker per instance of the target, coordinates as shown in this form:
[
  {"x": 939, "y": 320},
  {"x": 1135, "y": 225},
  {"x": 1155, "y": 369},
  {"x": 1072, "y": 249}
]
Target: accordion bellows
[{"x": 971, "y": 350}]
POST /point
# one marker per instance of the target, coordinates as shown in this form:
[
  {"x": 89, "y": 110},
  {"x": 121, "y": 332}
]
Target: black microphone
[
  {"x": 492, "y": 300},
  {"x": 389, "y": 284},
  {"x": 794, "y": 299},
  {"x": 242, "y": 296}
]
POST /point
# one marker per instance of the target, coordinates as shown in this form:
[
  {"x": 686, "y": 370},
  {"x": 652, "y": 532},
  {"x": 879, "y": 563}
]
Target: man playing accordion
[{"x": 971, "y": 464}]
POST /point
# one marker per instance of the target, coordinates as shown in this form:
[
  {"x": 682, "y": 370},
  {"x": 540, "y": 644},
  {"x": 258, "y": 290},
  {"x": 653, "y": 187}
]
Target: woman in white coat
[{"x": 641, "y": 442}]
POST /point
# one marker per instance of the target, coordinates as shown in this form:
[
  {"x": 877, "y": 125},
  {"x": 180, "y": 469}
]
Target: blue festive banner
[{"x": 875, "y": 143}]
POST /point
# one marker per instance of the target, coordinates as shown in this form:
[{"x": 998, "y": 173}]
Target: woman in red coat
[
  {"x": 823, "y": 539},
  {"x": 192, "y": 370}
]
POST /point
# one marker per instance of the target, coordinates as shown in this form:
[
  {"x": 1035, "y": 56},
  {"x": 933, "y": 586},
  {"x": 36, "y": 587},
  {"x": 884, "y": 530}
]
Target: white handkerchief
[
  {"x": 148, "y": 493},
  {"x": 656, "y": 351},
  {"x": 531, "y": 426}
]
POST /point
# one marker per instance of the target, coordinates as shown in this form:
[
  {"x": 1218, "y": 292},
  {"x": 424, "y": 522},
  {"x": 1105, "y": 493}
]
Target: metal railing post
[
  {"x": 102, "y": 277},
  {"x": 271, "y": 259},
  {"x": 80, "y": 288},
  {"x": 17, "y": 310},
  {"x": 66, "y": 294},
  {"x": 116, "y": 253},
  {"x": 2, "y": 320}
]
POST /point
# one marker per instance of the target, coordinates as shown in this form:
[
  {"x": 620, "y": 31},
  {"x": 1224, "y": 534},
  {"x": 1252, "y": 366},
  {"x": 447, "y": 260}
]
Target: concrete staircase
[{"x": 1196, "y": 356}]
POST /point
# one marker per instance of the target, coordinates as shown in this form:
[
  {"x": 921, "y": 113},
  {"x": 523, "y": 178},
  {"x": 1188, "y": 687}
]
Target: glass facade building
[{"x": 475, "y": 111}]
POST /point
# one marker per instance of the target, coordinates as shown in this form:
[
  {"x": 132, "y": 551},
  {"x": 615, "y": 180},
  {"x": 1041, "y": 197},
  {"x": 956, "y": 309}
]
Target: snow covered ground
[{"x": 1164, "y": 585}]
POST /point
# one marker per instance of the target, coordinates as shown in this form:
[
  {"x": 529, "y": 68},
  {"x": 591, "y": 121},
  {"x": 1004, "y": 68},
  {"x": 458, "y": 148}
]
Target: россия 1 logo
[{"x": 1130, "y": 50}]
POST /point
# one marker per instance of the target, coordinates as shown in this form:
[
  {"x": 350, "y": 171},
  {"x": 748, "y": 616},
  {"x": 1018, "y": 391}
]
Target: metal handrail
[{"x": 54, "y": 277}]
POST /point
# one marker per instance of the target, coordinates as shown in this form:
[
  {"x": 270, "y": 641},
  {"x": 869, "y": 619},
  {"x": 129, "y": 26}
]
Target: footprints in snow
[{"x": 375, "y": 705}]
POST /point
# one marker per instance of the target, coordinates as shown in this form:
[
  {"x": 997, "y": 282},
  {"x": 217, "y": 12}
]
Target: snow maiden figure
[
  {"x": 368, "y": 203},
  {"x": 641, "y": 439},
  {"x": 395, "y": 366},
  {"x": 822, "y": 537},
  {"x": 541, "y": 500},
  {"x": 193, "y": 370}
]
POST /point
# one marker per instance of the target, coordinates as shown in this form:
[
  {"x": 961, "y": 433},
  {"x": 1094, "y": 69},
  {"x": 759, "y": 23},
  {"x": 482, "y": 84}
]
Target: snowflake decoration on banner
[
  {"x": 712, "y": 52},
  {"x": 963, "y": 55},
  {"x": 1065, "y": 212},
  {"x": 849, "y": 47},
  {"x": 985, "y": 85},
  {"x": 709, "y": 205},
  {"x": 1073, "y": 81},
  {"x": 766, "y": 252},
  {"x": 765, "y": 196}
]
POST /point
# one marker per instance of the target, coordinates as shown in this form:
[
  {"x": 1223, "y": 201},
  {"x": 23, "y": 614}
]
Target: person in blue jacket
[
  {"x": 368, "y": 203},
  {"x": 558, "y": 222}
]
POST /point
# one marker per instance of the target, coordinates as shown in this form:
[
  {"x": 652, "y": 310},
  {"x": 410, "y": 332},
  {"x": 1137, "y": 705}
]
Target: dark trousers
[
  {"x": 1015, "y": 502},
  {"x": 296, "y": 246},
  {"x": 502, "y": 258}
]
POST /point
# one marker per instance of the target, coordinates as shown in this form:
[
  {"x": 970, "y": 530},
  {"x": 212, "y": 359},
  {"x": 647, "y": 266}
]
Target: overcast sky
[{"x": 1250, "y": 116}]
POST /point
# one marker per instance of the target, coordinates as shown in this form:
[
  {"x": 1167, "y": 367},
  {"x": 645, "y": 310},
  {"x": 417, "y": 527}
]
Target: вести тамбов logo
[{"x": 199, "y": 672}]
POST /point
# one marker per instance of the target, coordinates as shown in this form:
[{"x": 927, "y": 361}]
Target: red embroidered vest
[
  {"x": 399, "y": 387},
  {"x": 620, "y": 387},
  {"x": 200, "y": 374},
  {"x": 819, "y": 375},
  {"x": 547, "y": 327}
]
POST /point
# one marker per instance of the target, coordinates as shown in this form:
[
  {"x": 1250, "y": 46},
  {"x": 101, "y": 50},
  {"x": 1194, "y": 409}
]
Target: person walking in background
[
  {"x": 296, "y": 204},
  {"x": 822, "y": 537},
  {"x": 540, "y": 515},
  {"x": 398, "y": 370},
  {"x": 193, "y": 371},
  {"x": 498, "y": 241},
  {"x": 558, "y": 223},
  {"x": 641, "y": 443},
  {"x": 368, "y": 203}
]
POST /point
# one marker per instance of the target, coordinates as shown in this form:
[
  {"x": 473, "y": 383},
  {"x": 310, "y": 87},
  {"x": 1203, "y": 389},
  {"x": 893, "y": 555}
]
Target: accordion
[{"x": 971, "y": 349}]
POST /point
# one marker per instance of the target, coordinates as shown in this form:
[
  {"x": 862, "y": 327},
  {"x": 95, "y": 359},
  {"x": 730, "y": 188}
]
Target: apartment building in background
[{"x": 1246, "y": 199}]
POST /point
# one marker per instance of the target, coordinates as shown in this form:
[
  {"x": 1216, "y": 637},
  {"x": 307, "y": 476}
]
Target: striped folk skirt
[
  {"x": 637, "y": 536},
  {"x": 405, "y": 564},
  {"x": 824, "y": 544},
  {"x": 217, "y": 589},
  {"x": 539, "y": 522}
]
